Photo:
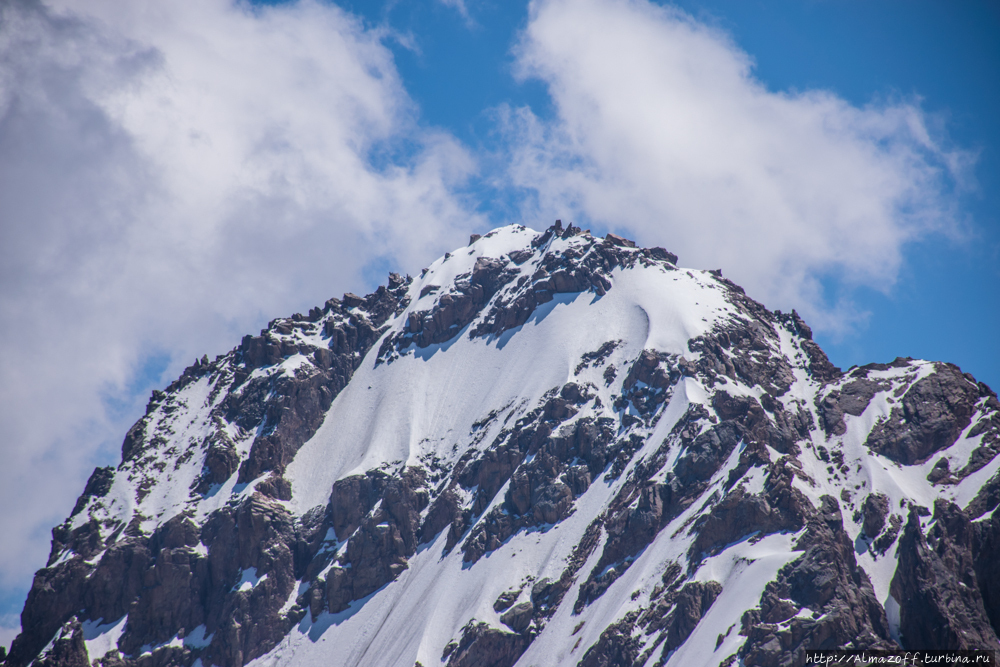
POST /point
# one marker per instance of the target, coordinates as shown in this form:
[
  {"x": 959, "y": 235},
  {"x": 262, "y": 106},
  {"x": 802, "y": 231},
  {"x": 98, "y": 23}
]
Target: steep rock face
[
  {"x": 937, "y": 575},
  {"x": 68, "y": 649},
  {"x": 986, "y": 540},
  {"x": 826, "y": 582},
  {"x": 378, "y": 549},
  {"x": 935, "y": 410},
  {"x": 52, "y": 601},
  {"x": 549, "y": 448}
]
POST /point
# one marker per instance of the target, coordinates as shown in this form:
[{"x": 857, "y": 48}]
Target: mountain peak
[{"x": 548, "y": 448}]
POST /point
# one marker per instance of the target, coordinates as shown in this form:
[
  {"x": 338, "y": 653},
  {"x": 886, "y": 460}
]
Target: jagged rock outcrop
[
  {"x": 937, "y": 577},
  {"x": 68, "y": 649},
  {"x": 825, "y": 581},
  {"x": 935, "y": 410},
  {"x": 986, "y": 540},
  {"x": 875, "y": 510},
  {"x": 378, "y": 549},
  {"x": 483, "y": 646},
  {"x": 53, "y": 599},
  {"x": 97, "y": 487}
]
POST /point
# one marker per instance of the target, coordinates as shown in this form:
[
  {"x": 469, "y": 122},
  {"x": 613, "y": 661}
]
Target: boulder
[
  {"x": 875, "y": 510},
  {"x": 620, "y": 241},
  {"x": 519, "y": 617}
]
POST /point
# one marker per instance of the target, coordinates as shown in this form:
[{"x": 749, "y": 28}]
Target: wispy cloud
[
  {"x": 662, "y": 130},
  {"x": 462, "y": 8}
]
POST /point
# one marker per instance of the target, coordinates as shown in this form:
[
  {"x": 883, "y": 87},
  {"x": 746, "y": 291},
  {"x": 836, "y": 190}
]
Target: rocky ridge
[{"x": 549, "y": 448}]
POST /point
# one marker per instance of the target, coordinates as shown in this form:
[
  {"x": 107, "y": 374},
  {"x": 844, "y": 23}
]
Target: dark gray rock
[
  {"x": 134, "y": 439},
  {"x": 985, "y": 547},
  {"x": 171, "y": 598},
  {"x": 483, "y": 646},
  {"x": 275, "y": 486},
  {"x": 68, "y": 650},
  {"x": 117, "y": 580},
  {"x": 258, "y": 537},
  {"x": 543, "y": 490},
  {"x": 487, "y": 273},
  {"x": 744, "y": 351},
  {"x": 378, "y": 550},
  {"x": 649, "y": 381},
  {"x": 889, "y": 535},
  {"x": 987, "y": 499},
  {"x": 875, "y": 510},
  {"x": 935, "y": 583},
  {"x": 520, "y": 256},
  {"x": 940, "y": 471},
  {"x": 663, "y": 255},
  {"x": 506, "y": 599},
  {"x": 935, "y": 410},
  {"x": 827, "y": 580},
  {"x": 616, "y": 647},
  {"x": 85, "y": 540},
  {"x": 352, "y": 499},
  {"x": 620, "y": 241},
  {"x": 97, "y": 487},
  {"x": 221, "y": 461},
  {"x": 598, "y": 356},
  {"x": 856, "y": 395},
  {"x": 819, "y": 364},
  {"x": 693, "y": 602},
  {"x": 53, "y": 599},
  {"x": 738, "y": 515},
  {"x": 519, "y": 617},
  {"x": 852, "y": 399},
  {"x": 677, "y": 614}
]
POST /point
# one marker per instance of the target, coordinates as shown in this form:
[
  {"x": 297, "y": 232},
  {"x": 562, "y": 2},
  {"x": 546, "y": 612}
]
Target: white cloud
[
  {"x": 171, "y": 174},
  {"x": 660, "y": 129},
  {"x": 457, "y": 5}
]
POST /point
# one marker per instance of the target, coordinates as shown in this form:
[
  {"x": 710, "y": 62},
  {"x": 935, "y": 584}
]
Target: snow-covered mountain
[{"x": 547, "y": 449}]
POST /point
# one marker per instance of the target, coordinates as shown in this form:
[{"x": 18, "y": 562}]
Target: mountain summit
[{"x": 547, "y": 449}]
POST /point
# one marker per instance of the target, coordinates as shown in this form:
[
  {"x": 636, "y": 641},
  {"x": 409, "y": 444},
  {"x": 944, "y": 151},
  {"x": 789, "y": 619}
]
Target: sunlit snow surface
[
  {"x": 425, "y": 403},
  {"x": 101, "y": 637},
  {"x": 428, "y": 405}
]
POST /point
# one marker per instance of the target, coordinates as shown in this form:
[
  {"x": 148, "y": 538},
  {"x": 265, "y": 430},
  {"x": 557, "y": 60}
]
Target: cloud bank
[{"x": 662, "y": 130}]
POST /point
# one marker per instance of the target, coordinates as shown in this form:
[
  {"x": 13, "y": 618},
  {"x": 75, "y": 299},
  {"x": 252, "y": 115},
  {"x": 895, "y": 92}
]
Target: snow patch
[
  {"x": 249, "y": 579},
  {"x": 743, "y": 570},
  {"x": 101, "y": 637}
]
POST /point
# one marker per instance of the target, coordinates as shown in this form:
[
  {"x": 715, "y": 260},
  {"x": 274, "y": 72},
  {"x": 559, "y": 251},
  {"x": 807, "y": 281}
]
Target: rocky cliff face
[{"x": 547, "y": 449}]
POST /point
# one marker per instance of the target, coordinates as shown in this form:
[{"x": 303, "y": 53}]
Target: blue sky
[
  {"x": 948, "y": 294},
  {"x": 175, "y": 175},
  {"x": 946, "y": 56}
]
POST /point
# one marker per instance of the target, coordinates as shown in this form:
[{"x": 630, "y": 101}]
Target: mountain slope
[{"x": 547, "y": 449}]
